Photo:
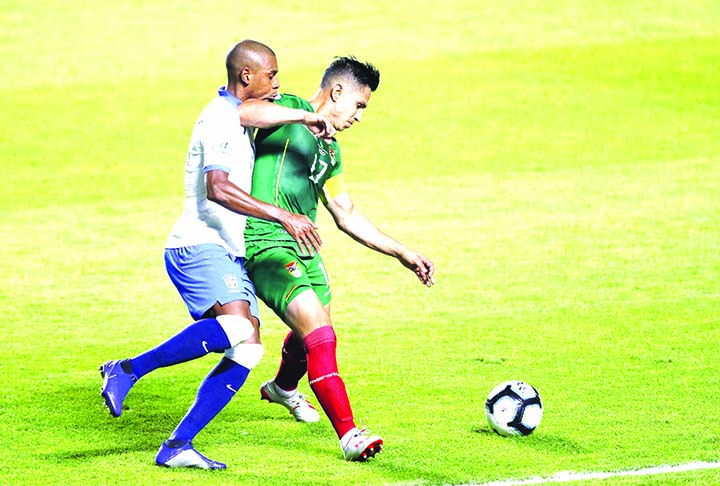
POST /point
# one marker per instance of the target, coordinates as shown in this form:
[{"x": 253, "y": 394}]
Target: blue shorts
[{"x": 205, "y": 274}]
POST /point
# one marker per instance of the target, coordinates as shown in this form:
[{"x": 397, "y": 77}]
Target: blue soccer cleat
[
  {"x": 116, "y": 385},
  {"x": 184, "y": 455}
]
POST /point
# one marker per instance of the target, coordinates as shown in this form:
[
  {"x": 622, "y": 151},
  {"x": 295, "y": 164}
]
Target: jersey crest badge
[
  {"x": 221, "y": 148},
  {"x": 293, "y": 269},
  {"x": 230, "y": 281}
]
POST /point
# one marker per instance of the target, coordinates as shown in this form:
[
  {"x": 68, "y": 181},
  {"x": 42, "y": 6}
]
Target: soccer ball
[{"x": 513, "y": 408}]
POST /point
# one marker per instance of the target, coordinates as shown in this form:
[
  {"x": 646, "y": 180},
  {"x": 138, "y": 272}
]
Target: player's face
[
  {"x": 350, "y": 102},
  {"x": 264, "y": 82}
]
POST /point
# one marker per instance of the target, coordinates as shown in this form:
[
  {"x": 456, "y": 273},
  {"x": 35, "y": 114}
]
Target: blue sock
[
  {"x": 198, "y": 339},
  {"x": 214, "y": 393}
]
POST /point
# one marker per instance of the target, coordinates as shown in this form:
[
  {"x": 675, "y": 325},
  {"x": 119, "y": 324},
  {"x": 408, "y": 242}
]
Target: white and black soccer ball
[{"x": 513, "y": 408}]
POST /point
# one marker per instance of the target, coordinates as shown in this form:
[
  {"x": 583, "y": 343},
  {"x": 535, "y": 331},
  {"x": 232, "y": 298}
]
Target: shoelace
[
  {"x": 297, "y": 400},
  {"x": 363, "y": 431}
]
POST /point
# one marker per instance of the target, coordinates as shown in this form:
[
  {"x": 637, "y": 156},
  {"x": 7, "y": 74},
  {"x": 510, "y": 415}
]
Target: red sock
[
  {"x": 293, "y": 364},
  {"x": 325, "y": 380}
]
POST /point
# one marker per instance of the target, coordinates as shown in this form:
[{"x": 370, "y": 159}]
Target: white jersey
[{"x": 219, "y": 142}]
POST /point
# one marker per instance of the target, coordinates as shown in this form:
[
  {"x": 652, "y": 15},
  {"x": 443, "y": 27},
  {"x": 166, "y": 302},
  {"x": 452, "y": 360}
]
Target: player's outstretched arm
[
  {"x": 264, "y": 114},
  {"x": 223, "y": 192},
  {"x": 352, "y": 222}
]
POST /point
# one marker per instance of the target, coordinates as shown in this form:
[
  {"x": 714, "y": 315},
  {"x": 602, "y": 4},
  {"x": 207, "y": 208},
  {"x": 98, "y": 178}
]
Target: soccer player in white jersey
[{"x": 205, "y": 249}]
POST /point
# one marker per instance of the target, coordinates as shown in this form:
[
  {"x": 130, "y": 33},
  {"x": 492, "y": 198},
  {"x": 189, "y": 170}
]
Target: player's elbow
[
  {"x": 343, "y": 222},
  {"x": 343, "y": 215},
  {"x": 217, "y": 194}
]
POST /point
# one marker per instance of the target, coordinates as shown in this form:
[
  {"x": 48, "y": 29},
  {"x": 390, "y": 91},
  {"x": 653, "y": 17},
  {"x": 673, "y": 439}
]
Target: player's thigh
[
  {"x": 207, "y": 277},
  {"x": 305, "y": 313},
  {"x": 280, "y": 275},
  {"x": 240, "y": 308},
  {"x": 240, "y": 298},
  {"x": 318, "y": 278}
]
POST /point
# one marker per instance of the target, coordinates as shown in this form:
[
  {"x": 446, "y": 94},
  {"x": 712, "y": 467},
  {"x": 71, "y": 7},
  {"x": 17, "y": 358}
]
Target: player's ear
[
  {"x": 245, "y": 75},
  {"x": 336, "y": 91}
]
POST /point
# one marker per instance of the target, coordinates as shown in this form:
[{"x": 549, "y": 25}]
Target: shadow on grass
[
  {"x": 539, "y": 441},
  {"x": 84, "y": 454},
  {"x": 71, "y": 422},
  {"x": 76, "y": 425}
]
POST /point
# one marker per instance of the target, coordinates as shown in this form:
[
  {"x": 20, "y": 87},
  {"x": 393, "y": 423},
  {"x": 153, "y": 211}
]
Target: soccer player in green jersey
[
  {"x": 294, "y": 170},
  {"x": 205, "y": 249}
]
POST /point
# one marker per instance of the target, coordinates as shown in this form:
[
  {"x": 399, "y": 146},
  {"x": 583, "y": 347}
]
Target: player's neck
[
  {"x": 237, "y": 92},
  {"x": 319, "y": 102}
]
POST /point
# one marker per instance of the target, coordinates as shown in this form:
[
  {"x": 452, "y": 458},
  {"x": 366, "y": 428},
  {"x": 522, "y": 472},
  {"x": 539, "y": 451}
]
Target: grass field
[{"x": 559, "y": 161}]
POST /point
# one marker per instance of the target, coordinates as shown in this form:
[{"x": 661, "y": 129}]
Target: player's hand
[
  {"x": 422, "y": 267},
  {"x": 304, "y": 231},
  {"x": 319, "y": 125}
]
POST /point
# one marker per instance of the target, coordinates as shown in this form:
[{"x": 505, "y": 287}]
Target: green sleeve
[
  {"x": 292, "y": 101},
  {"x": 337, "y": 167}
]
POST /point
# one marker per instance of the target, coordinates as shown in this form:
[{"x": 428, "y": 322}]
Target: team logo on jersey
[
  {"x": 293, "y": 269},
  {"x": 332, "y": 155},
  {"x": 222, "y": 148},
  {"x": 230, "y": 281}
]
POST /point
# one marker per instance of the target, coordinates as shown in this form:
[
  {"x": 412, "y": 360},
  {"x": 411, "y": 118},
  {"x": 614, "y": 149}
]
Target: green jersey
[{"x": 291, "y": 168}]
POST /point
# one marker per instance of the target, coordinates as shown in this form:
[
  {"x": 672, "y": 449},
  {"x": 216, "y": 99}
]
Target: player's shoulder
[
  {"x": 293, "y": 101},
  {"x": 334, "y": 146},
  {"x": 219, "y": 108}
]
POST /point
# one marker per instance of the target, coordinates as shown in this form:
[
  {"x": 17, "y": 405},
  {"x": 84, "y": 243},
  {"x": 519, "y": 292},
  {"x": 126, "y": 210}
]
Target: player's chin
[{"x": 272, "y": 96}]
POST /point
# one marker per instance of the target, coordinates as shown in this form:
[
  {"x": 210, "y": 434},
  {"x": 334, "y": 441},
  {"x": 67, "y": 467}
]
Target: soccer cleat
[
  {"x": 359, "y": 445},
  {"x": 184, "y": 455},
  {"x": 116, "y": 385},
  {"x": 297, "y": 404}
]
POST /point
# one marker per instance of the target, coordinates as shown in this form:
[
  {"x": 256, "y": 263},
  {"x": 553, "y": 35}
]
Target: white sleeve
[{"x": 218, "y": 138}]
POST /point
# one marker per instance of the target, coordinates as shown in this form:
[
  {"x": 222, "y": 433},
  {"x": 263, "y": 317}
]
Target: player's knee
[
  {"x": 238, "y": 329},
  {"x": 247, "y": 355}
]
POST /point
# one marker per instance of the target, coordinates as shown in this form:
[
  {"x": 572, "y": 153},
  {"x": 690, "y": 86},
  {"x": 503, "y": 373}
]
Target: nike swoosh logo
[
  {"x": 231, "y": 389},
  {"x": 204, "y": 344}
]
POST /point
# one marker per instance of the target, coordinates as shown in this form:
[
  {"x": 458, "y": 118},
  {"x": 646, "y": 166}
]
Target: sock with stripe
[{"x": 325, "y": 381}]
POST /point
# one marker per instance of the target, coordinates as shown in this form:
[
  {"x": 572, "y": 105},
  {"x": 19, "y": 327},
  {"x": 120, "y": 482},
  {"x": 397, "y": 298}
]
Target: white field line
[{"x": 569, "y": 476}]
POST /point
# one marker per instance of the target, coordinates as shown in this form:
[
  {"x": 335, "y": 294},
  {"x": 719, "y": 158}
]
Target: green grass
[{"x": 558, "y": 161}]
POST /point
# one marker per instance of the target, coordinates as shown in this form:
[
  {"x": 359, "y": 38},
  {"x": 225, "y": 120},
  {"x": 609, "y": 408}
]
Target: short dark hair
[
  {"x": 245, "y": 53},
  {"x": 349, "y": 68}
]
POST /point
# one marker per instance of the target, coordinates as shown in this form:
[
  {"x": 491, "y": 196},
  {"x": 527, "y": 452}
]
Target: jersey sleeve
[
  {"x": 218, "y": 136},
  {"x": 292, "y": 101},
  {"x": 337, "y": 157},
  {"x": 335, "y": 182}
]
